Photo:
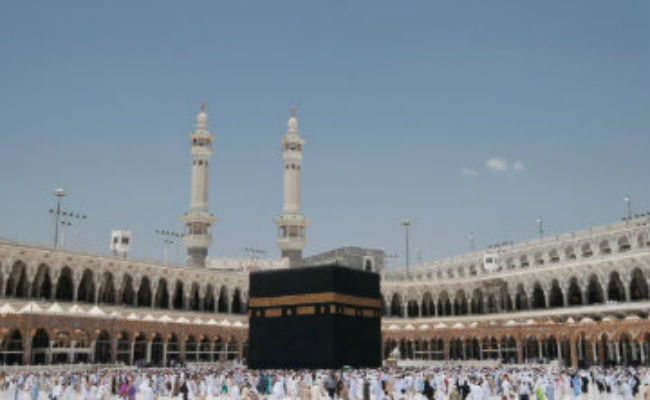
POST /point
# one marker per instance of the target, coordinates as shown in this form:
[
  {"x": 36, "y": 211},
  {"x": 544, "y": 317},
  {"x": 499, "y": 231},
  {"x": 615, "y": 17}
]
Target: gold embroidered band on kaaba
[{"x": 311, "y": 298}]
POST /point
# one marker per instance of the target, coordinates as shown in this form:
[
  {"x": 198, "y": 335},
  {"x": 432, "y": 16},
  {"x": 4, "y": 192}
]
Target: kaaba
[{"x": 314, "y": 317}]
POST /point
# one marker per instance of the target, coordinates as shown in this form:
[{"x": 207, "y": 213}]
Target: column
[
  {"x": 114, "y": 350},
  {"x": 164, "y": 354},
  {"x": 48, "y": 355},
  {"x": 617, "y": 347},
  {"x": 594, "y": 349},
  {"x": 559, "y": 349},
  {"x": 573, "y": 354},
  {"x": 91, "y": 356},
  {"x": 498, "y": 350},
  {"x": 212, "y": 351},
  {"x": 641, "y": 352},
  {"x": 27, "y": 348},
  {"x": 519, "y": 352},
  {"x": 181, "y": 349},
  {"x": 463, "y": 346},
  {"x": 480, "y": 350},
  {"x": 420, "y": 309},
  {"x": 446, "y": 348},
  {"x": 131, "y": 352},
  {"x": 148, "y": 352},
  {"x": 240, "y": 351},
  {"x": 405, "y": 309},
  {"x": 539, "y": 350}
]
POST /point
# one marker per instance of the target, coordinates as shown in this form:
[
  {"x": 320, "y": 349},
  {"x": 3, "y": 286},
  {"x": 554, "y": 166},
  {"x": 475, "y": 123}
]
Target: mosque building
[{"x": 578, "y": 298}]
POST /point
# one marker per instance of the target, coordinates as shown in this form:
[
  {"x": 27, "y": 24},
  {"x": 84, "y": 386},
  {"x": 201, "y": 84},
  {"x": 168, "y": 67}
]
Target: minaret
[
  {"x": 198, "y": 219},
  {"x": 291, "y": 225}
]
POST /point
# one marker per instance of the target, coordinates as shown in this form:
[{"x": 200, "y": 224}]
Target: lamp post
[
  {"x": 406, "y": 223},
  {"x": 168, "y": 237},
  {"x": 540, "y": 227},
  {"x": 628, "y": 200},
  {"x": 59, "y": 193}
]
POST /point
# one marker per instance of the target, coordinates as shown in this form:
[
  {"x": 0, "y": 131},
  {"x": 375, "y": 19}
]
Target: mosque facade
[{"x": 577, "y": 298}]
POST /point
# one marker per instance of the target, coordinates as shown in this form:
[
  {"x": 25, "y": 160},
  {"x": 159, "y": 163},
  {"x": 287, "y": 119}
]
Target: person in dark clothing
[
  {"x": 366, "y": 390},
  {"x": 183, "y": 390},
  {"x": 428, "y": 390}
]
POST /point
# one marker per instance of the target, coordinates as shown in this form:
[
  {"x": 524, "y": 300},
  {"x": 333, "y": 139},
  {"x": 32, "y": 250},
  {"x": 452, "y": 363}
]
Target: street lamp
[
  {"x": 168, "y": 237},
  {"x": 540, "y": 227},
  {"x": 59, "y": 193},
  {"x": 406, "y": 223},
  {"x": 628, "y": 200}
]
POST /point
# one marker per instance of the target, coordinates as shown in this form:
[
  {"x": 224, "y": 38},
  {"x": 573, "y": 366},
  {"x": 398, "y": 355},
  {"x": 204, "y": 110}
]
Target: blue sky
[{"x": 402, "y": 104}]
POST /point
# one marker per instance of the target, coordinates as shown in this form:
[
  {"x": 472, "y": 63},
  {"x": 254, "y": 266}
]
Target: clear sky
[{"x": 466, "y": 116}]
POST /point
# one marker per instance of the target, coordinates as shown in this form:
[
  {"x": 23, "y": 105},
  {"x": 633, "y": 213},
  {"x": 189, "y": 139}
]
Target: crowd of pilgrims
[{"x": 439, "y": 383}]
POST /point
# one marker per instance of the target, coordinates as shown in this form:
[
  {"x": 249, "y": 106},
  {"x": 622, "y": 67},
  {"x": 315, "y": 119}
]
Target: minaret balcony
[
  {"x": 198, "y": 216},
  {"x": 291, "y": 243},
  {"x": 191, "y": 241},
  {"x": 292, "y": 220}
]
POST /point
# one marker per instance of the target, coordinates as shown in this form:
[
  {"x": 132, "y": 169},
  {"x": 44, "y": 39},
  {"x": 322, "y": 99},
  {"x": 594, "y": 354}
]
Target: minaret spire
[
  {"x": 292, "y": 224},
  {"x": 198, "y": 219}
]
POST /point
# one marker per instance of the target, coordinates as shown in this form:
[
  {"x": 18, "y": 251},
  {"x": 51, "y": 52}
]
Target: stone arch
[
  {"x": 604, "y": 247},
  {"x": 140, "y": 348},
  {"x": 157, "y": 346},
  {"x": 162, "y": 294},
  {"x": 144, "y": 292},
  {"x": 65, "y": 285},
  {"x": 12, "y": 348},
  {"x": 123, "y": 348},
  {"x": 594, "y": 291},
  {"x": 40, "y": 347},
  {"x": 396, "y": 305},
  {"x": 570, "y": 253},
  {"x": 191, "y": 348},
  {"x": 574, "y": 295},
  {"x": 195, "y": 299},
  {"x": 204, "y": 349},
  {"x": 586, "y": 250},
  {"x": 178, "y": 301},
  {"x": 492, "y": 305},
  {"x": 428, "y": 307},
  {"x": 17, "y": 284},
  {"x": 412, "y": 309},
  {"x": 521, "y": 298},
  {"x": 623, "y": 243},
  {"x": 523, "y": 261},
  {"x": 236, "y": 306},
  {"x": 42, "y": 284},
  {"x": 539, "y": 297},
  {"x": 444, "y": 304},
  {"x": 615, "y": 288},
  {"x": 208, "y": 299},
  {"x": 553, "y": 256},
  {"x": 127, "y": 294},
  {"x": 368, "y": 265},
  {"x": 556, "y": 298},
  {"x": 642, "y": 239},
  {"x": 638, "y": 285},
  {"x": 107, "y": 289},
  {"x": 477, "y": 304},
  {"x": 103, "y": 348},
  {"x": 222, "y": 304},
  {"x": 86, "y": 288},
  {"x": 531, "y": 349},
  {"x": 460, "y": 303}
]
